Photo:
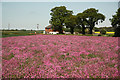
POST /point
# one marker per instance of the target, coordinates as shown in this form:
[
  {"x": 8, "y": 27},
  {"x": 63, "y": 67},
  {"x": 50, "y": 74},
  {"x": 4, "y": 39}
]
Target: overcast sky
[{"x": 26, "y": 15}]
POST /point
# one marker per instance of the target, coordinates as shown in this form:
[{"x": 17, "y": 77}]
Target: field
[
  {"x": 59, "y": 56},
  {"x": 19, "y": 33},
  {"x": 11, "y": 33}
]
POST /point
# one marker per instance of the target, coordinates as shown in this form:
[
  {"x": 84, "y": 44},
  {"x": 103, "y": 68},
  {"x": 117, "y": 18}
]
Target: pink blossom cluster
[{"x": 59, "y": 56}]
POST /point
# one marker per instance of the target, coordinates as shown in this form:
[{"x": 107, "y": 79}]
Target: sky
[{"x": 26, "y": 15}]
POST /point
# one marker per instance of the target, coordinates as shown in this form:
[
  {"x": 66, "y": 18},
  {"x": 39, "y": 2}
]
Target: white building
[{"x": 53, "y": 32}]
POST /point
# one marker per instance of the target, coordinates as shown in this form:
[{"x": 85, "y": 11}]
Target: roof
[{"x": 48, "y": 27}]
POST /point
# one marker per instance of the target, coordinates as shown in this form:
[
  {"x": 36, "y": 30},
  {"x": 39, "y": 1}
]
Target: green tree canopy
[
  {"x": 92, "y": 17},
  {"x": 58, "y": 16},
  {"x": 70, "y": 22},
  {"x": 115, "y": 22},
  {"x": 81, "y": 21}
]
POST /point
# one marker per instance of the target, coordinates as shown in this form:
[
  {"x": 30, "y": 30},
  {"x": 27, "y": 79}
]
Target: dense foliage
[
  {"x": 115, "y": 22},
  {"x": 70, "y": 22},
  {"x": 58, "y": 15},
  {"x": 93, "y": 17},
  {"x": 63, "y": 17},
  {"x": 81, "y": 21},
  {"x": 108, "y": 29}
]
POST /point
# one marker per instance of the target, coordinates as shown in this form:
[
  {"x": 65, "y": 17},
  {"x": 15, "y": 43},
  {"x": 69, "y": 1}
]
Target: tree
[
  {"x": 58, "y": 16},
  {"x": 92, "y": 17},
  {"x": 81, "y": 21},
  {"x": 78, "y": 29},
  {"x": 70, "y": 22},
  {"x": 115, "y": 22}
]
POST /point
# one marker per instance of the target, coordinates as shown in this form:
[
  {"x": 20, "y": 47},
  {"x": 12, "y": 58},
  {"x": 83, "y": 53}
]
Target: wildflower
[{"x": 70, "y": 56}]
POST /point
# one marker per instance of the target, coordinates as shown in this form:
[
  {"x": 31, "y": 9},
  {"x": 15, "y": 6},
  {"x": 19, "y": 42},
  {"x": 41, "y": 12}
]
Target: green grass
[
  {"x": 67, "y": 54},
  {"x": 28, "y": 32},
  {"x": 62, "y": 56},
  {"x": 83, "y": 55},
  {"x": 68, "y": 58},
  {"x": 19, "y": 33},
  {"x": 9, "y": 57},
  {"x": 91, "y": 56},
  {"x": 107, "y": 35}
]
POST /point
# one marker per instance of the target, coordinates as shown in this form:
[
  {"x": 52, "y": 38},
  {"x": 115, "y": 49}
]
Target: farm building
[{"x": 49, "y": 30}]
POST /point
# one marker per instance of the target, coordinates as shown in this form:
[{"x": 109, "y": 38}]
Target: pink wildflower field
[{"x": 59, "y": 56}]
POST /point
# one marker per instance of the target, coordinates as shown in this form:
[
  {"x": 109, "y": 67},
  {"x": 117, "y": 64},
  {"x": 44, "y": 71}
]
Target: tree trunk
[
  {"x": 91, "y": 30},
  {"x": 83, "y": 29},
  {"x": 60, "y": 30},
  {"x": 91, "y": 27},
  {"x": 71, "y": 30}
]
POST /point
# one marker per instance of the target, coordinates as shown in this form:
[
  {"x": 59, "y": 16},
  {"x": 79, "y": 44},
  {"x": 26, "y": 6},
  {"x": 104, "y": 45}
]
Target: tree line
[{"x": 61, "y": 17}]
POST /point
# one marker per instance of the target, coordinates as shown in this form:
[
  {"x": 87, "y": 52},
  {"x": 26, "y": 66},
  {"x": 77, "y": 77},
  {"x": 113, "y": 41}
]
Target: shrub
[
  {"x": 99, "y": 34},
  {"x": 103, "y": 31}
]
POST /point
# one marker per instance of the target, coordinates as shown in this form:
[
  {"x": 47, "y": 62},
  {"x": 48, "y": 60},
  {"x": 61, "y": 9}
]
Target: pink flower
[
  {"x": 41, "y": 56},
  {"x": 87, "y": 76},
  {"x": 115, "y": 65}
]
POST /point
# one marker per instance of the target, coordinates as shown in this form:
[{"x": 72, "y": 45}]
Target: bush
[
  {"x": 99, "y": 34},
  {"x": 103, "y": 31}
]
